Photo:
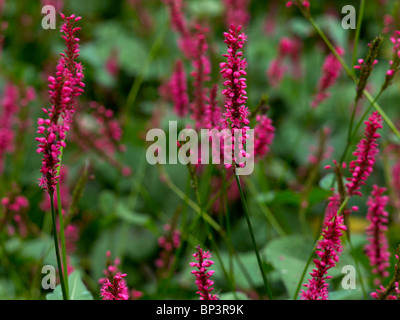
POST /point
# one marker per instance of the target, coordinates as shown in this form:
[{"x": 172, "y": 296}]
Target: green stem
[
  {"x": 62, "y": 238},
  {"x": 253, "y": 239},
  {"x": 358, "y": 30},
  {"x": 61, "y": 224},
  {"x": 229, "y": 233},
  {"x": 60, "y": 268},
  {"x": 133, "y": 92},
  {"x": 267, "y": 212}
]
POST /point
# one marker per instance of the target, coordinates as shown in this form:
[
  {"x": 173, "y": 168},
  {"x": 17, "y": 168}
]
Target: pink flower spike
[
  {"x": 328, "y": 250},
  {"x": 202, "y": 274},
  {"x": 64, "y": 88},
  {"x": 367, "y": 149},
  {"x": 236, "y": 113}
]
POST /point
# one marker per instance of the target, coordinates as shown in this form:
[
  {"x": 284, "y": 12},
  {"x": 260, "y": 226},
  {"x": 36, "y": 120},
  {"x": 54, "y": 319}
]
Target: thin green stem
[
  {"x": 133, "y": 92},
  {"x": 58, "y": 255},
  {"x": 229, "y": 233},
  {"x": 358, "y": 30},
  {"x": 253, "y": 239},
  {"x": 62, "y": 238},
  {"x": 61, "y": 224},
  {"x": 267, "y": 212}
]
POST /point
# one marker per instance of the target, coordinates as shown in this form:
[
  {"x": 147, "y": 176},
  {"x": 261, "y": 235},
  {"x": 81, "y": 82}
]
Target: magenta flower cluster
[
  {"x": 236, "y": 113},
  {"x": 64, "y": 87},
  {"x": 328, "y": 251},
  {"x": 113, "y": 285},
  {"x": 367, "y": 149},
  {"x": 377, "y": 247},
  {"x": 115, "y": 290},
  {"x": 203, "y": 275}
]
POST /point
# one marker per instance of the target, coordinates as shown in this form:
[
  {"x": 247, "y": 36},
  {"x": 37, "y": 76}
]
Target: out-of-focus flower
[
  {"x": 330, "y": 72},
  {"x": 377, "y": 247},
  {"x": 178, "y": 87},
  {"x": 264, "y": 133},
  {"x": 237, "y": 12},
  {"x": 169, "y": 242}
]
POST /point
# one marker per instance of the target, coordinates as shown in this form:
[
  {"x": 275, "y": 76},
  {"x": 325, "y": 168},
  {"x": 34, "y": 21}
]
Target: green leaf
[
  {"x": 77, "y": 290},
  {"x": 288, "y": 255},
  {"x": 107, "y": 202},
  {"x": 125, "y": 213},
  {"x": 350, "y": 294},
  {"x": 327, "y": 180}
]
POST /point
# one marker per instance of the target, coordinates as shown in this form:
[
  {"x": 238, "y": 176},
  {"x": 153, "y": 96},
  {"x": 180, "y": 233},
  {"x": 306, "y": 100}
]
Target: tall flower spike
[
  {"x": 330, "y": 72},
  {"x": 203, "y": 275},
  {"x": 64, "y": 88},
  {"x": 236, "y": 113},
  {"x": 328, "y": 251},
  {"x": 366, "y": 151},
  {"x": 377, "y": 247}
]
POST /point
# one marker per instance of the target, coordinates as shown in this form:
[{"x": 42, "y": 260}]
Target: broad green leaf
[
  {"x": 77, "y": 290},
  {"x": 288, "y": 255}
]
